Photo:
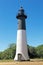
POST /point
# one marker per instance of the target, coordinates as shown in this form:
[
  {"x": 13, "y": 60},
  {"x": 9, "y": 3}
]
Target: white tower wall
[{"x": 21, "y": 47}]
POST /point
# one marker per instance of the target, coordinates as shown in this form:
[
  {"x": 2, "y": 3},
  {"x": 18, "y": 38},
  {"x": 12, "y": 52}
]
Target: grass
[
  {"x": 31, "y": 62},
  {"x": 11, "y": 60}
]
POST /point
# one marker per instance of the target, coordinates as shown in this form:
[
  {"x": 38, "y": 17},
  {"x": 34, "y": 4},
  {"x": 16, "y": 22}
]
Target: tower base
[{"x": 20, "y": 57}]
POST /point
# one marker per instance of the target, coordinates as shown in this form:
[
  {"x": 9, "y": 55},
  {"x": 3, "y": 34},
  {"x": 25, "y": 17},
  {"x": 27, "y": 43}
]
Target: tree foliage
[
  {"x": 9, "y": 53},
  {"x": 33, "y": 52},
  {"x": 39, "y": 51}
]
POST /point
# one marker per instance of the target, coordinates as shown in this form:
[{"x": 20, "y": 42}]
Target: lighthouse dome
[{"x": 21, "y": 13}]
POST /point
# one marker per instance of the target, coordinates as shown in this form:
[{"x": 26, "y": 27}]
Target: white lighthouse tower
[{"x": 21, "y": 46}]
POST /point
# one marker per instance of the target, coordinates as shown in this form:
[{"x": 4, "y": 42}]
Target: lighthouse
[{"x": 21, "y": 45}]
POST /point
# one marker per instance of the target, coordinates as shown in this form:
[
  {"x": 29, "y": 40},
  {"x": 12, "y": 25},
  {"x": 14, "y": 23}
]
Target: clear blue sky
[{"x": 8, "y": 21}]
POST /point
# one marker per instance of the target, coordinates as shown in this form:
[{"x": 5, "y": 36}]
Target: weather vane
[{"x": 20, "y": 2}]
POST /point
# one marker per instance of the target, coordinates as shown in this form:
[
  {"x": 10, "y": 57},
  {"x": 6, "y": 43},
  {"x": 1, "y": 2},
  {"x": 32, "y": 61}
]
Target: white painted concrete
[{"x": 21, "y": 47}]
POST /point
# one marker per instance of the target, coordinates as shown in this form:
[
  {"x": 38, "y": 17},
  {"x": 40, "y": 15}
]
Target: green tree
[
  {"x": 40, "y": 51},
  {"x": 9, "y": 53},
  {"x": 32, "y": 52}
]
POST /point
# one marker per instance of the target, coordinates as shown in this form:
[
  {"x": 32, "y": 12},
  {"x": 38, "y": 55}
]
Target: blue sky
[{"x": 8, "y": 21}]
